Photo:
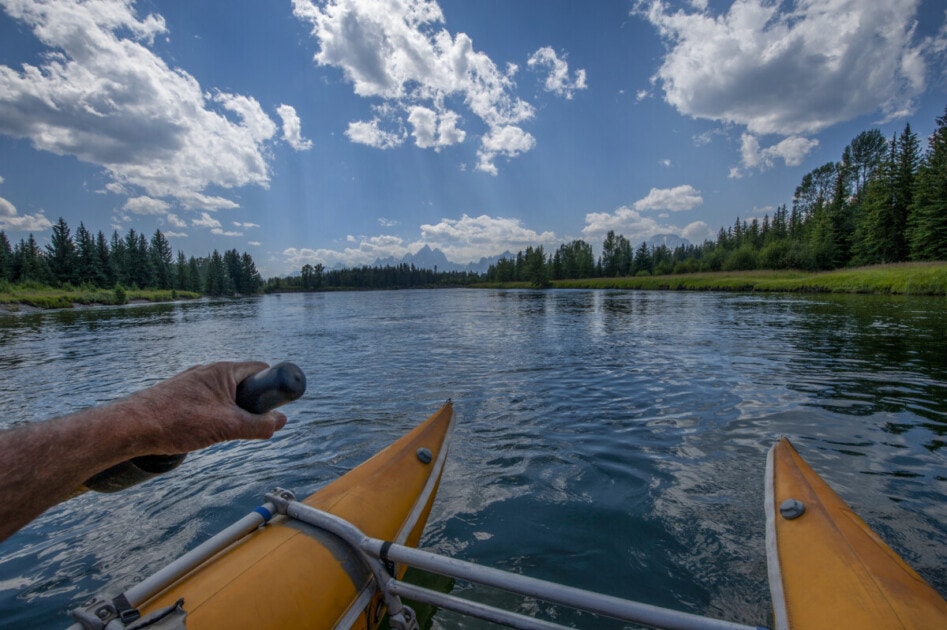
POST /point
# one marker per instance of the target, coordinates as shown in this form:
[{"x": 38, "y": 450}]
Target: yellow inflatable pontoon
[
  {"x": 289, "y": 574},
  {"x": 827, "y": 568}
]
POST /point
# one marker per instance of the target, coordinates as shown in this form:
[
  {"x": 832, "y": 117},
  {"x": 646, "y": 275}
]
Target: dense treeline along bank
[
  {"x": 129, "y": 262},
  {"x": 882, "y": 202},
  {"x": 403, "y": 276}
]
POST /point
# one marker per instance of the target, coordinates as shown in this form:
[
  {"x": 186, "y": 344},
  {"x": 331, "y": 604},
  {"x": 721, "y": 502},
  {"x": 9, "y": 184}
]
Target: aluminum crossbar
[{"x": 373, "y": 550}]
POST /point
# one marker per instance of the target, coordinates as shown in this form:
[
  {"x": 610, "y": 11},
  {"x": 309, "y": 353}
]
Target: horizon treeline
[
  {"x": 402, "y": 276},
  {"x": 132, "y": 261},
  {"x": 882, "y": 202}
]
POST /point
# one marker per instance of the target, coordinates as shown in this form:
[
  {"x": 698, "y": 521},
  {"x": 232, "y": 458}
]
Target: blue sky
[{"x": 351, "y": 130}]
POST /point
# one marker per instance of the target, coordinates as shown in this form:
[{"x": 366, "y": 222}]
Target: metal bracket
[
  {"x": 100, "y": 612},
  {"x": 280, "y": 498}
]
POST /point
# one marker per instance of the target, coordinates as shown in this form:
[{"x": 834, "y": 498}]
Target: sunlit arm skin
[{"x": 43, "y": 463}]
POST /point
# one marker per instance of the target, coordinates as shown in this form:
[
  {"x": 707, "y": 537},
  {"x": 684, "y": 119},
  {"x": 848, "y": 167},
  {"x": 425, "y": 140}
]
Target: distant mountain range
[{"x": 428, "y": 258}]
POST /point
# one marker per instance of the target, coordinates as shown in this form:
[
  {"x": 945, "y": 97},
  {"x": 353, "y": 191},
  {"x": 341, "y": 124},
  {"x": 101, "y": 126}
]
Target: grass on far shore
[
  {"x": 897, "y": 279},
  {"x": 30, "y": 294}
]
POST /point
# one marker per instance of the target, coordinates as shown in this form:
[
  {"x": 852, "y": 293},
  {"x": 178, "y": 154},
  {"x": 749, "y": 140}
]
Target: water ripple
[{"x": 609, "y": 440}]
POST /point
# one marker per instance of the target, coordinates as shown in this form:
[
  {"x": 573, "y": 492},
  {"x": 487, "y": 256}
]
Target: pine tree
[
  {"x": 6, "y": 259},
  {"x": 160, "y": 258},
  {"x": 928, "y": 217},
  {"x": 87, "y": 261},
  {"x": 182, "y": 273},
  {"x": 61, "y": 254},
  {"x": 195, "y": 283},
  {"x": 215, "y": 281},
  {"x": 29, "y": 264},
  {"x": 610, "y": 255},
  {"x": 864, "y": 155},
  {"x": 536, "y": 271},
  {"x": 118, "y": 260},
  {"x": 643, "y": 262},
  {"x": 251, "y": 282},
  {"x": 903, "y": 181},
  {"x": 106, "y": 273},
  {"x": 145, "y": 271}
]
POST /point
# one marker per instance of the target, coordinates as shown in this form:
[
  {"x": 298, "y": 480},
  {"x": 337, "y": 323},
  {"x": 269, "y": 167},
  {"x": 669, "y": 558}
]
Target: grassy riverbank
[
  {"x": 899, "y": 279},
  {"x": 14, "y": 298}
]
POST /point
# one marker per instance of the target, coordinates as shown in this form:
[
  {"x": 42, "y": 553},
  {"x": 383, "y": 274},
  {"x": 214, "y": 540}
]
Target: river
[{"x": 614, "y": 441}]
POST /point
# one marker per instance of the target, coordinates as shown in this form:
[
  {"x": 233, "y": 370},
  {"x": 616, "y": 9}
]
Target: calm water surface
[{"x": 613, "y": 441}]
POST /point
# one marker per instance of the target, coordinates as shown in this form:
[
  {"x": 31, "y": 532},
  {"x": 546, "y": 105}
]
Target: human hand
[{"x": 197, "y": 408}]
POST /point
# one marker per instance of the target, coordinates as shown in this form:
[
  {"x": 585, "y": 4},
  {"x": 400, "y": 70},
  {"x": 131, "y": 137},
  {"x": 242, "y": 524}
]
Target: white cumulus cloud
[
  {"x": 675, "y": 199},
  {"x": 175, "y": 221},
  {"x": 508, "y": 141},
  {"x": 146, "y": 206},
  {"x": 636, "y": 227},
  {"x": 397, "y": 51},
  {"x": 103, "y": 95},
  {"x": 207, "y": 221},
  {"x": 370, "y": 133},
  {"x": 558, "y": 80},
  {"x": 292, "y": 128},
  {"x": 434, "y": 129},
  {"x": 12, "y": 221},
  {"x": 462, "y": 240},
  {"x": 467, "y": 239},
  {"x": 792, "y": 151},
  {"x": 790, "y": 68}
]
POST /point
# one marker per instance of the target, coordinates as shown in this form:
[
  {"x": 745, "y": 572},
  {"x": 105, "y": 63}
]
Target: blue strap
[{"x": 265, "y": 513}]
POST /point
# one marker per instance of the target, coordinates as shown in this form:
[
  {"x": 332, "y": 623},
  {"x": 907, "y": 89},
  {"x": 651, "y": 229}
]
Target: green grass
[
  {"x": 898, "y": 279},
  {"x": 40, "y": 296}
]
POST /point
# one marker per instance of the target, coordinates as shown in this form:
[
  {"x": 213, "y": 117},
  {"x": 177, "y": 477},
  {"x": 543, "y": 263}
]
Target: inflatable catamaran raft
[{"x": 336, "y": 558}]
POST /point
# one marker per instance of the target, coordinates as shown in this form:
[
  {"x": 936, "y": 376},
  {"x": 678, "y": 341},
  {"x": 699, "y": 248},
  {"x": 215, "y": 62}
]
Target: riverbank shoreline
[
  {"x": 49, "y": 299},
  {"x": 929, "y": 279},
  {"x": 895, "y": 279}
]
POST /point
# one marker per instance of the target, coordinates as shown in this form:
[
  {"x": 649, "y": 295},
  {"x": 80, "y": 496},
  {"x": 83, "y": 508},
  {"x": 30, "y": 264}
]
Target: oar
[{"x": 266, "y": 390}]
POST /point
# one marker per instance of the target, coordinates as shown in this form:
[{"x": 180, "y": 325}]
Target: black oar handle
[{"x": 266, "y": 390}]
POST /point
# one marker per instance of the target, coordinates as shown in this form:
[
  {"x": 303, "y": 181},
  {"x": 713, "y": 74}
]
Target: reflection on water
[{"x": 609, "y": 440}]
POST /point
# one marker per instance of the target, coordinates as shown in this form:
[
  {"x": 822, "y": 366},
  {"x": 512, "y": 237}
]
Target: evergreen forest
[
  {"x": 132, "y": 261},
  {"x": 884, "y": 201}
]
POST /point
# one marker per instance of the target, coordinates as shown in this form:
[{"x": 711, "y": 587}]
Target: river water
[{"x": 614, "y": 441}]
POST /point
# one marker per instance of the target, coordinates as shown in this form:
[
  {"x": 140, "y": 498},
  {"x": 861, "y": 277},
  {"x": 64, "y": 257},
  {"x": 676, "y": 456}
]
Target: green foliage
[
  {"x": 61, "y": 254},
  {"x": 6, "y": 259},
  {"x": 882, "y": 202},
  {"x": 106, "y": 269},
  {"x": 537, "y": 273},
  {"x": 902, "y": 279},
  {"x": 927, "y": 231}
]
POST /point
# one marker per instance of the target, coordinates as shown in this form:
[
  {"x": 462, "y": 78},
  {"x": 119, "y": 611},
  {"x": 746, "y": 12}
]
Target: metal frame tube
[
  {"x": 157, "y": 582},
  {"x": 471, "y": 608},
  {"x": 606, "y": 605}
]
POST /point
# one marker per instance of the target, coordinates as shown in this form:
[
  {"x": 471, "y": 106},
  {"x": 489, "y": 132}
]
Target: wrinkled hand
[{"x": 197, "y": 408}]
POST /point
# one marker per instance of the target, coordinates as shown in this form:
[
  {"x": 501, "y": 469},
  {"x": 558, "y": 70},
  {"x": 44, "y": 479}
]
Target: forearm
[{"x": 44, "y": 463}]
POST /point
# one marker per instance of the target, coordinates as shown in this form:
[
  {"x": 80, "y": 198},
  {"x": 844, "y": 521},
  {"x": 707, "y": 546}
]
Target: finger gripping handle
[
  {"x": 259, "y": 393},
  {"x": 274, "y": 386}
]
